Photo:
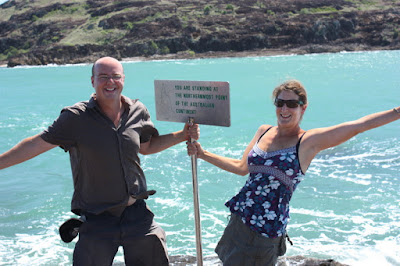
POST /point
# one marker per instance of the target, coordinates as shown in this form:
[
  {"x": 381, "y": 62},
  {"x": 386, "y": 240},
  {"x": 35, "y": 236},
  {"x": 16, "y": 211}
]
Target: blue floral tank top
[{"x": 263, "y": 202}]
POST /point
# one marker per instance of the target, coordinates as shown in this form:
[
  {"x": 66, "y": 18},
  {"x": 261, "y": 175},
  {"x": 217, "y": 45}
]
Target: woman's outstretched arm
[
  {"x": 319, "y": 139},
  {"x": 236, "y": 166}
]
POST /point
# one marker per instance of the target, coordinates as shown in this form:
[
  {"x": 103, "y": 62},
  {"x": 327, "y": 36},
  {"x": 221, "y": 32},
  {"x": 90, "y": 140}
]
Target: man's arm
[
  {"x": 25, "y": 150},
  {"x": 160, "y": 143}
]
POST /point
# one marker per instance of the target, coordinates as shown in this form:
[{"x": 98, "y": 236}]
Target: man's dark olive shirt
[{"x": 104, "y": 158}]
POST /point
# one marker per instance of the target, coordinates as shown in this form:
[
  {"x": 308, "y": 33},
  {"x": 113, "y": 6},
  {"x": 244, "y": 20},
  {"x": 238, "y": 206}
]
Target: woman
[{"x": 276, "y": 158}]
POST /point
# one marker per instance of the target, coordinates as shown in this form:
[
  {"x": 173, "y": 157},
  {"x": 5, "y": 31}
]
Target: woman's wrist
[
  {"x": 396, "y": 110},
  {"x": 202, "y": 155}
]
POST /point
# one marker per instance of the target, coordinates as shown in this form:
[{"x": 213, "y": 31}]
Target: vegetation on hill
[{"x": 38, "y": 32}]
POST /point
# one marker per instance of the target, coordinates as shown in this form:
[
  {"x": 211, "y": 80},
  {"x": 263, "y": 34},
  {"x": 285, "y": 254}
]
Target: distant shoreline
[
  {"x": 188, "y": 56},
  {"x": 314, "y": 49},
  {"x": 213, "y": 54},
  {"x": 310, "y": 49}
]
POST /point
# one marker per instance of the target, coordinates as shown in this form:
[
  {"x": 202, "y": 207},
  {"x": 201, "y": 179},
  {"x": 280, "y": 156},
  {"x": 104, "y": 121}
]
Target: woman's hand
[{"x": 194, "y": 149}]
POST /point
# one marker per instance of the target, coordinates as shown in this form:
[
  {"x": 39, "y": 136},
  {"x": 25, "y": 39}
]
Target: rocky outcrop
[
  {"x": 282, "y": 261},
  {"x": 80, "y": 31}
]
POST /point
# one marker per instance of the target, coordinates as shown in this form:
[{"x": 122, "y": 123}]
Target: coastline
[
  {"x": 187, "y": 55},
  {"x": 213, "y": 54},
  {"x": 308, "y": 49}
]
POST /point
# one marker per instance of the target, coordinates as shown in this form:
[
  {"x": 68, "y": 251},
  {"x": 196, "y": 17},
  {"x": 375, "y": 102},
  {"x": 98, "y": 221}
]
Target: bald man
[{"x": 104, "y": 137}]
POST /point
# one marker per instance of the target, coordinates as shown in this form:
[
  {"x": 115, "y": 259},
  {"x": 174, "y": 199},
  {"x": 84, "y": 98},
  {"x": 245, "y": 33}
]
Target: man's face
[{"x": 108, "y": 79}]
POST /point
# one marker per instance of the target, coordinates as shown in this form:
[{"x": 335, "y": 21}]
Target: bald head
[{"x": 106, "y": 61}]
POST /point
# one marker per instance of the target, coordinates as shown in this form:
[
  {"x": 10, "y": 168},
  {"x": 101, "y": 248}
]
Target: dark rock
[{"x": 186, "y": 260}]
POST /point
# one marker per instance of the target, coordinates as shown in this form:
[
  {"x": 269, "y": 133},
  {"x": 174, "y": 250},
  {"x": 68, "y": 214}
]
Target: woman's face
[{"x": 289, "y": 117}]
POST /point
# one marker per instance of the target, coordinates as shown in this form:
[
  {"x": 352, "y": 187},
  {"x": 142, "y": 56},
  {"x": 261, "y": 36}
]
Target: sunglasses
[{"x": 289, "y": 103}]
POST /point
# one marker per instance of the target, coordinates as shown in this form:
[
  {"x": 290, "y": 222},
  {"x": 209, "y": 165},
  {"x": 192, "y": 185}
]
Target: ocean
[{"x": 347, "y": 208}]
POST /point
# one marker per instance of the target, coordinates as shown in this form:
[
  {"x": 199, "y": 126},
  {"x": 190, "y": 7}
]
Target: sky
[{"x": 3, "y": 1}]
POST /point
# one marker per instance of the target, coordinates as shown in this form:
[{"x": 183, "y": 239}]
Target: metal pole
[{"x": 196, "y": 206}]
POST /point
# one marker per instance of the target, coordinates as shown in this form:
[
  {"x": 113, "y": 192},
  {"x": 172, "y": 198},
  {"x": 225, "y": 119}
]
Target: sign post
[
  {"x": 196, "y": 203},
  {"x": 201, "y": 102}
]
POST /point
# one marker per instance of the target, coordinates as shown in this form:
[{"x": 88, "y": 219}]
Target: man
[{"x": 103, "y": 137}]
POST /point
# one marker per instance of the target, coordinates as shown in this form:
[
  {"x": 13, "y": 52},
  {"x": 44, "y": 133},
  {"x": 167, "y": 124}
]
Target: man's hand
[{"x": 191, "y": 131}]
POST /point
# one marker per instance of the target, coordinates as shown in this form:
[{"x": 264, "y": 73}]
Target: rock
[{"x": 186, "y": 260}]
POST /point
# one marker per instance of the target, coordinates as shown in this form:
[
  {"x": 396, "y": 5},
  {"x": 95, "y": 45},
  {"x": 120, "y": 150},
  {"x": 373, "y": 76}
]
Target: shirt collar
[{"x": 125, "y": 100}]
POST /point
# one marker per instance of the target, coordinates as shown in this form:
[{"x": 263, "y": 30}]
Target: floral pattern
[{"x": 263, "y": 202}]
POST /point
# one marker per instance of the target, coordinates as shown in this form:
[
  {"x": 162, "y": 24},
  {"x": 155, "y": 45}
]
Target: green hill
[{"x": 74, "y": 31}]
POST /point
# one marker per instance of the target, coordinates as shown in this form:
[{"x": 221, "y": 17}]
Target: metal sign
[{"x": 206, "y": 101}]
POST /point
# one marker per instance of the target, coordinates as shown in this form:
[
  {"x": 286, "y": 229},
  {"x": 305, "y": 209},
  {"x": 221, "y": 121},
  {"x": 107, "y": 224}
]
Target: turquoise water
[{"x": 347, "y": 208}]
